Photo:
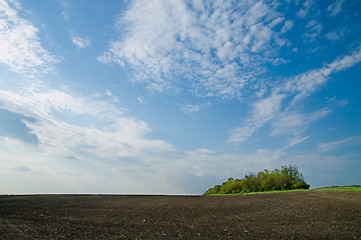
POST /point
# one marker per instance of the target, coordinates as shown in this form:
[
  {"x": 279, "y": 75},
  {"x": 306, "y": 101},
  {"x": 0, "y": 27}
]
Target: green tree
[{"x": 289, "y": 177}]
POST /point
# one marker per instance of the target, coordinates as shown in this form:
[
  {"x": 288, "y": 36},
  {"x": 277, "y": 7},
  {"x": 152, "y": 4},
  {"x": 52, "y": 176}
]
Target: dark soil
[{"x": 297, "y": 215}]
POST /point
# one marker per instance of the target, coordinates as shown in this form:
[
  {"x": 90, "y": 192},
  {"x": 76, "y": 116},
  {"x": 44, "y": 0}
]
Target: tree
[
  {"x": 294, "y": 179},
  {"x": 289, "y": 177}
]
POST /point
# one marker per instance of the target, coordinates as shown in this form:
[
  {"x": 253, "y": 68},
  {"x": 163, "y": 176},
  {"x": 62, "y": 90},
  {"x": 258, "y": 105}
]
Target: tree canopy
[{"x": 286, "y": 178}]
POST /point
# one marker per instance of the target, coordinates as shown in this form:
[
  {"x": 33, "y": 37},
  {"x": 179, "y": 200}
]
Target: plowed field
[{"x": 298, "y": 215}]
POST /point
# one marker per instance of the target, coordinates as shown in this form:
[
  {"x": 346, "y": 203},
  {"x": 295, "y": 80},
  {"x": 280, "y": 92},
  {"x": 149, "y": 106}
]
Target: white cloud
[
  {"x": 15, "y": 3},
  {"x": 336, "y": 7},
  {"x": 80, "y": 42},
  {"x": 267, "y": 108},
  {"x": 20, "y": 47},
  {"x": 263, "y": 111},
  {"x": 241, "y": 134},
  {"x": 308, "y": 82},
  {"x": 314, "y": 29},
  {"x": 108, "y": 93},
  {"x": 295, "y": 141},
  {"x": 66, "y": 5},
  {"x": 295, "y": 122},
  {"x": 208, "y": 47},
  {"x": 112, "y": 96},
  {"x": 105, "y": 131},
  {"x": 42, "y": 103},
  {"x": 140, "y": 100},
  {"x": 295, "y": 89},
  {"x": 65, "y": 15},
  {"x": 287, "y": 26},
  {"x": 341, "y": 103},
  {"x": 332, "y": 36},
  {"x": 326, "y": 147},
  {"x": 189, "y": 108},
  {"x": 306, "y": 8}
]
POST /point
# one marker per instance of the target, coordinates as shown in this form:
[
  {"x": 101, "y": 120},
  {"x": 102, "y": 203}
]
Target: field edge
[{"x": 348, "y": 188}]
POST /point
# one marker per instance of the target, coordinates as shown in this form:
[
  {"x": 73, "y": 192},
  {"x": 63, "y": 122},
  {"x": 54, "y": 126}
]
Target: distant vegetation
[
  {"x": 286, "y": 178},
  {"x": 352, "y": 188}
]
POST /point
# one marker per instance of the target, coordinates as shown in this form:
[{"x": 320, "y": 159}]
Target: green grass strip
[{"x": 352, "y": 188}]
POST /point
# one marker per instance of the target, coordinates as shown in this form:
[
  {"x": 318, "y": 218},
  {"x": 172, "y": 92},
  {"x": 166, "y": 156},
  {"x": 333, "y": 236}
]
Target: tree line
[{"x": 286, "y": 178}]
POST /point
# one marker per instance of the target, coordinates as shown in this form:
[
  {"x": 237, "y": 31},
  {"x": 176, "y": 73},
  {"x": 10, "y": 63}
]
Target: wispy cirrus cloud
[
  {"x": 329, "y": 146},
  {"x": 294, "y": 90},
  {"x": 20, "y": 47},
  {"x": 263, "y": 111},
  {"x": 215, "y": 48},
  {"x": 310, "y": 81},
  {"x": 296, "y": 122},
  {"x": 295, "y": 141}
]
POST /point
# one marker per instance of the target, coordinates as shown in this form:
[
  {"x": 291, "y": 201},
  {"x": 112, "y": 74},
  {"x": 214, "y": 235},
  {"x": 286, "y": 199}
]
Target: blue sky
[{"x": 174, "y": 97}]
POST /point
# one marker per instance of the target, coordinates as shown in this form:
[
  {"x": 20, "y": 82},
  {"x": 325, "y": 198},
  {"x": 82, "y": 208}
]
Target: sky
[{"x": 176, "y": 96}]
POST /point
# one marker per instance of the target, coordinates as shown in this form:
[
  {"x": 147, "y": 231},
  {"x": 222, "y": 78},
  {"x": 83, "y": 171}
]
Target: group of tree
[{"x": 286, "y": 178}]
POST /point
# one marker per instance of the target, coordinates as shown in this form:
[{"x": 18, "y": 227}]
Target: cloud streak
[
  {"x": 263, "y": 111},
  {"x": 296, "y": 122},
  {"x": 330, "y": 146},
  {"x": 296, "y": 89}
]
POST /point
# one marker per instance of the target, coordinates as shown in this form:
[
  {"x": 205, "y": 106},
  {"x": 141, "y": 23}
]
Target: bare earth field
[{"x": 297, "y": 215}]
